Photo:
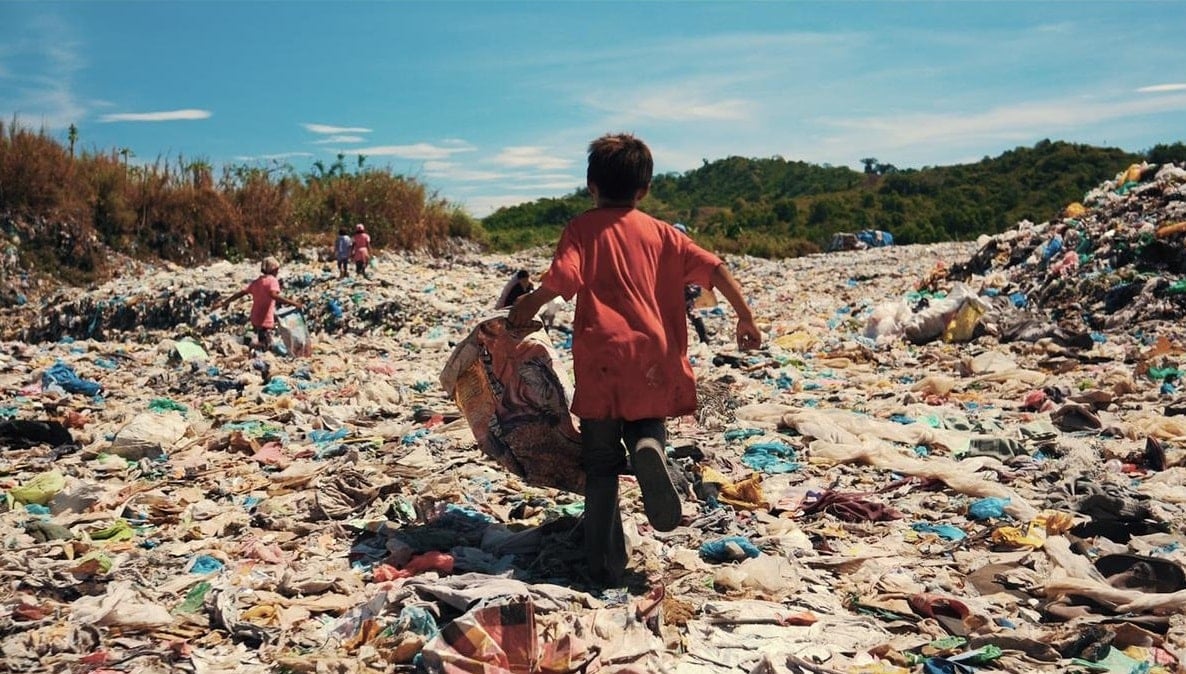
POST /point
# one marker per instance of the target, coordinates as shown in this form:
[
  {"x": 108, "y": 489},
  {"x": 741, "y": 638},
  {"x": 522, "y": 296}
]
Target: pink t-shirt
[
  {"x": 263, "y": 304},
  {"x": 362, "y": 247},
  {"x": 630, "y": 333}
]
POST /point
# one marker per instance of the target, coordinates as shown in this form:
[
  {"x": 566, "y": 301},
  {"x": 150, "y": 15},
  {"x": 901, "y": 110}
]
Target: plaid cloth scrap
[{"x": 501, "y": 638}]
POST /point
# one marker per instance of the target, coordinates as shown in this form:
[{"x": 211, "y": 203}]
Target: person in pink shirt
[
  {"x": 265, "y": 294},
  {"x": 360, "y": 251}
]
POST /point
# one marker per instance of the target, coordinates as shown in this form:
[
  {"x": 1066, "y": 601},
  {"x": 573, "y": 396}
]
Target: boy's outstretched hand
[
  {"x": 527, "y": 306},
  {"x": 748, "y": 337}
]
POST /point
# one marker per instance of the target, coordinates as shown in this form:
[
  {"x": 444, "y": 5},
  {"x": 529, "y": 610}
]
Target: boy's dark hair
[
  {"x": 342, "y": 231},
  {"x": 522, "y": 274},
  {"x": 619, "y": 165}
]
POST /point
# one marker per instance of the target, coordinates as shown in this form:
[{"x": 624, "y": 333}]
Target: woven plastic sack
[
  {"x": 509, "y": 387},
  {"x": 290, "y": 325}
]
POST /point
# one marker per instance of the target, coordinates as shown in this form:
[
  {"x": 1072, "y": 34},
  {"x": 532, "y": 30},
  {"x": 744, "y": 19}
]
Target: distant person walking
[
  {"x": 360, "y": 250},
  {"x": 519, "y": 285},
  {"x": 265, "y": 294},
  {"x": 342, "y": 252}
]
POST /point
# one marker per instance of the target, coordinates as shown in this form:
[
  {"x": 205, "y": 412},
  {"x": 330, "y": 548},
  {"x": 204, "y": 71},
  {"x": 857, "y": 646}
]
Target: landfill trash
[{"x": 870, "y": 503}]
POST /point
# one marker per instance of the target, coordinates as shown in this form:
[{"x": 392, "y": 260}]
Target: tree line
[{"x": 773, "y": 207}]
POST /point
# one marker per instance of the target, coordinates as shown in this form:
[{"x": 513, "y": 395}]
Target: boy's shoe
[{"x": 660, "y": 500}]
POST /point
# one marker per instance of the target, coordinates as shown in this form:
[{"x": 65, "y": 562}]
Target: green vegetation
[
  {"x": 67, "y": 212},
  {"x": 779, "y": 208}
]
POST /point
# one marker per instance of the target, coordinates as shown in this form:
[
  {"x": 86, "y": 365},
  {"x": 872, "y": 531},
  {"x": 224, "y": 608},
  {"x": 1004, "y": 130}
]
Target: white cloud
[
  {"x": 687, "y": 102},
  {"x": 421, "y": 151},
  {"x": 531, "y": 156},
  {"x": 452, "y": 171},
  {"x": 189, "y": 114},
  {"x": 1159, "y": 88},
  {"x": 682, "y": 110},
  {"x": 339, "y": 139},
  {"x": 1063, "y": 28},
  {"x": 1010, "y": 122},
  {"x": 279, "y": 155},
  {"x": 481, "y": 206},
  {"x": 548, "y": 187},
  {"x": 328, "y": 129}
]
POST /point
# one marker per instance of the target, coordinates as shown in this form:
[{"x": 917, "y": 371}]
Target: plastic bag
[{"x": 294, "y": 333}]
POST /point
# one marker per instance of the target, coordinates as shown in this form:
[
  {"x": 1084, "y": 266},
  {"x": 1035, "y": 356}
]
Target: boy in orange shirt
[{"x": 630, "y": 339}]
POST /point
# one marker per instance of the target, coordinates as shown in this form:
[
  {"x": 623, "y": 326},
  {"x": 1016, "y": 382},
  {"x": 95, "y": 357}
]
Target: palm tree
[
  {"x": 320, "y": 166},
  {"x": 72, "y": 136},
  {"x": 126, "y": 152},
  {"x": 338, "y": 168}
]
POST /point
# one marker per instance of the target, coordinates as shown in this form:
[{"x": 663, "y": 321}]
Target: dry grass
[{"x": 69, "y": 211}]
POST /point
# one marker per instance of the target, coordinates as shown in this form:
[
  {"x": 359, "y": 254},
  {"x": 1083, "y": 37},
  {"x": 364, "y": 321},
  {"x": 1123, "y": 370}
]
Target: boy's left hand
[
  {"x": 520, "y": 315},
  {"x": 748, "y": 336}
]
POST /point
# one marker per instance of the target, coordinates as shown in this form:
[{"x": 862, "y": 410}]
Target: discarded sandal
[{"x": 950, "y": 613}]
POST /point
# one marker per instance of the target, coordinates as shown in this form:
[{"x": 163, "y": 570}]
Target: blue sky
[{"x": 494, "y": 103}]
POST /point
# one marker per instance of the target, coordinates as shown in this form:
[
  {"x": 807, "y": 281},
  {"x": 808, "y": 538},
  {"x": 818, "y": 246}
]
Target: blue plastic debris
[
  {"x": 64, "y": 376},
  {"x": 204, "y": 564},
  {"x": 941, "y": 530},
  {"x": 277, "y": 386},
  {"x": 989, "y": 508},
  {"x": 742, "y": 433},
  {"x": 725, "y": 549},
  {"x": 770, "y": 457}
]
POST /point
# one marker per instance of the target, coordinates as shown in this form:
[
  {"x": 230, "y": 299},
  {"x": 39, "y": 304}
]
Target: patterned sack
[{"x": 508, "y": 386}]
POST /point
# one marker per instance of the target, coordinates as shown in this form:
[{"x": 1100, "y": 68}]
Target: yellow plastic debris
[
  {"x": 746, "y": 494},
  {"x": 963, "y": 324},
  {"x": 1171, "y": 229},
  {"x": 798, "y": 340},
  {"x": 40, "y": 490},
  {"x": 1034, "y": 536},
  {"x": 1074, "y": 210}
]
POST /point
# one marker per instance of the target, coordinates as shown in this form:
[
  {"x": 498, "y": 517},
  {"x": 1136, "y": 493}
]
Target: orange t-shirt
[{"x": 630, "y": 334}]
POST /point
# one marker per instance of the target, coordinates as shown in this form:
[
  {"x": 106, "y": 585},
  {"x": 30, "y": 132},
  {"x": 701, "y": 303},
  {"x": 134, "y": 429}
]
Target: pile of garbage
[
  {"x": 1115, "y": 259},
  {"x": 174, "y": 501},
  {"x": 142, "y": 308}
]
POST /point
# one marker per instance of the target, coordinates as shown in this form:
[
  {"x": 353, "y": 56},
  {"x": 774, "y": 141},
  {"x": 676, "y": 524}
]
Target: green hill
[{"x": 775, "y": 207}]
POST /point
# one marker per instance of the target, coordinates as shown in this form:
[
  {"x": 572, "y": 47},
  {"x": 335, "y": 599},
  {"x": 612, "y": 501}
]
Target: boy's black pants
[{"x": 604, "y": 459}]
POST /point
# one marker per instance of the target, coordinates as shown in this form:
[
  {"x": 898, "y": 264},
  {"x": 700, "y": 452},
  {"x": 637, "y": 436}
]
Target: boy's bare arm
[
  {"x": 290, "y": 302},
  {"x": 218, "y": 304},
  {"x": 748, "y": 336},
  {"x": 527, "y": 306}
]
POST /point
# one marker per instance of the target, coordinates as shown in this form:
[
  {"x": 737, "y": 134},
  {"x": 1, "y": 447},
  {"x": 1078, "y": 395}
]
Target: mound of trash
[{"x": 1115, "y": 259}]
